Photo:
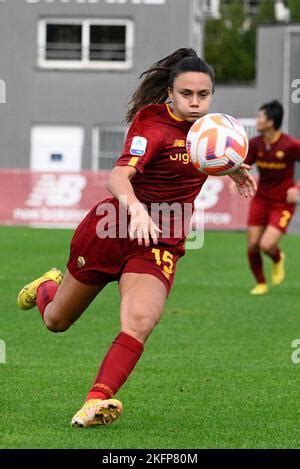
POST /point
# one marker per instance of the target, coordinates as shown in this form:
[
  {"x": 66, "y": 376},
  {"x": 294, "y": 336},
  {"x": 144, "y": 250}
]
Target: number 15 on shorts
[{"x": 165, "y": 259}]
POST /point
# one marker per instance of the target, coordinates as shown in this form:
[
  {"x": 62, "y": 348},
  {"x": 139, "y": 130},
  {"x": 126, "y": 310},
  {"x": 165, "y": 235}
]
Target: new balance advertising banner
[{"x": 63, "y": 199}]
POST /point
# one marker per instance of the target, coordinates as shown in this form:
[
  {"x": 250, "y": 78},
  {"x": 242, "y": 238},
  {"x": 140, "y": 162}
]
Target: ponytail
[{"x": 161, "y": 75}]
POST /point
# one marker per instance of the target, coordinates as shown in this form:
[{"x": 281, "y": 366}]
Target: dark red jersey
[
  {"x": 276, "y": 164},
  {"x": 156, "y": 147}
]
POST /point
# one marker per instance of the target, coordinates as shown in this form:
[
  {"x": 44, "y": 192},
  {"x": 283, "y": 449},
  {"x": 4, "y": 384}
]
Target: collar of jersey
[
  {"x": 275, "y": 139},
  {"x": 173, "y": 115}
]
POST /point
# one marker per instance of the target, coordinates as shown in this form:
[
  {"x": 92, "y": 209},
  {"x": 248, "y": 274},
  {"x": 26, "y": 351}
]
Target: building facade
[{"x": 68, "y": 68}]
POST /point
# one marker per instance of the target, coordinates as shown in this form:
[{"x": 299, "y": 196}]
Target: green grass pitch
[{"x": 216, "y": 373}]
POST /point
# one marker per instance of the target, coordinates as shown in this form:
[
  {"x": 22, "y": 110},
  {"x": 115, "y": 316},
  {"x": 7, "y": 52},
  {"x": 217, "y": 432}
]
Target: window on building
[
  {"x": 107, "y": 145},
  {"x": 104, "y": 44},
  {"x": 63, "y": 41},
  {"x": 107, "y": 42}
]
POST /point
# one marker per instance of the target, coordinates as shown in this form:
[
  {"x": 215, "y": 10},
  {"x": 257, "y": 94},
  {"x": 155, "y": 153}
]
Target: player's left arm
[
  {"x": 240, "y": 182},
  {"x": 245, "y": 183}
]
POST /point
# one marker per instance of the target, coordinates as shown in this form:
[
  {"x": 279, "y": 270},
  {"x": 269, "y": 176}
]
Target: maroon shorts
[
  {"x": 95, "y": 260},
  {"x": 263, "y": 213}
]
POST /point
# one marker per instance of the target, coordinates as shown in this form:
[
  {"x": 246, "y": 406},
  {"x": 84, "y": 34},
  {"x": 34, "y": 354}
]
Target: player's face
[
  {"x": 262, "y": 122},
  {"x": 191, "y": 95}
]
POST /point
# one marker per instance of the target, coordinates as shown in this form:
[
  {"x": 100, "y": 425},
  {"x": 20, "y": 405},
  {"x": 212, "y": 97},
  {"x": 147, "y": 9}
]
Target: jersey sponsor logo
[
  {"x": 179, "y": 143},
  {"x": 138, "y": 146},
  {"x": 270, "y": 165},
  {"x": 280, "y": 154},
  {"x": 184, "y": 158}
]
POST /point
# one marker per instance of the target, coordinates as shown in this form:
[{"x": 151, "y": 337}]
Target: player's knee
[
  {"x": 55, "y": 325},
  {"x": 266, "y": 247},
  {"x": 253, "y": 246},
  {"x": 140, "y": 325}
]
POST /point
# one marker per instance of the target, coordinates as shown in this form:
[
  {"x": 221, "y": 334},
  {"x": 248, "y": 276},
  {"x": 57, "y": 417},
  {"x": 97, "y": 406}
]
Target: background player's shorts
[
  {"x": 95, "y": 260},
  {"x": 263, "y": 213}
]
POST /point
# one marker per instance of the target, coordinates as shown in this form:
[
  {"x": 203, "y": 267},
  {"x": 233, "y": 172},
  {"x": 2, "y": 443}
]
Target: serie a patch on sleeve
[{"x": 138, "y": 146}]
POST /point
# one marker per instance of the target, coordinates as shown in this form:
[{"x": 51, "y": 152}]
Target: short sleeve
[
  {"x": 143, "y": 142},
  {"x": 251, "y": 156}
]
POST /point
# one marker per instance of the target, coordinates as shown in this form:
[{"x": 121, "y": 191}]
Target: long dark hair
[{"x": 161, "y": 75}]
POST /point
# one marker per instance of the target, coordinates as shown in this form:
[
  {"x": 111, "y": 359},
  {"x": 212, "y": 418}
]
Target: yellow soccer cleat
[
  {"x": 97, "y": 412},
  {"x": 260, "y": 289},
  {"x": 27, "y": 296},
  {"x": 278, "y": 270}
]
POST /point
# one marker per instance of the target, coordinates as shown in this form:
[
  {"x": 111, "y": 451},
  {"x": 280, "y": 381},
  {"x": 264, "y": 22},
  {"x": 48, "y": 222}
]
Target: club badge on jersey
[{"x": 138, "y": 146}]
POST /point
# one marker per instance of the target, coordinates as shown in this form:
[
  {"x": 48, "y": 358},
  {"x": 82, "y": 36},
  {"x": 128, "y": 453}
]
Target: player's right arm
[
  {"x": 141, "y": 224},
  {"x": 142, "y": 144}
]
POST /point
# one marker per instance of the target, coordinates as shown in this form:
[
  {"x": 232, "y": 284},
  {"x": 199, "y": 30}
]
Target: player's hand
[
  {"x": 245, "y": 183},
  {"x": 292, "y": 195},
  {"x": 142, "y": 226}
]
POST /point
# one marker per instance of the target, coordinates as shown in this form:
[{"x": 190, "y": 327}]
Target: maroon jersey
[
  {"x": 156, "y": 147},
  {"x": 276, "y": 164}
]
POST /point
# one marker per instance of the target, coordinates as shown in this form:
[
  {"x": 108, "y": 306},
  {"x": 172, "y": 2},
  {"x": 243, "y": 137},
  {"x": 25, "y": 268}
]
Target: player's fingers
[
  {"x": 132, "y": 230},
  {"x": 146, "y": 235},
  {"x": 245, "y": 166},
  {"x": 139, "y": 234},
  {"x": 240, "y": 189},
  {"x": 153, "y": 234}
]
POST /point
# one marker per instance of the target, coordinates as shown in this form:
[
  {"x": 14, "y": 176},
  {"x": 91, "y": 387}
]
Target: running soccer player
[
  {"x": 144, "y": 262},
  {"x": 274, "y": 204}
]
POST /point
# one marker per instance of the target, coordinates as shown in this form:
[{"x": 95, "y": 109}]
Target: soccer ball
[{"x": 217, "y": 144}]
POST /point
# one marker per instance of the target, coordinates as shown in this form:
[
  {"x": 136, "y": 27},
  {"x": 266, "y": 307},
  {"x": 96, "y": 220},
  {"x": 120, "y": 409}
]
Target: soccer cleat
[
  {"x": 260, "y": 289},
  {"x": 97, "y": 412},
  {"x": 27, "y": 296},
  {"x": 278, "y": 270}
]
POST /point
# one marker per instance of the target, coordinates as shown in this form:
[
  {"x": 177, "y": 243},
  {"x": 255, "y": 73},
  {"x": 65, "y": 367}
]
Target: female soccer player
[
  {"x": 274, "y": 204},
  {"x": 152, "y": 169}
]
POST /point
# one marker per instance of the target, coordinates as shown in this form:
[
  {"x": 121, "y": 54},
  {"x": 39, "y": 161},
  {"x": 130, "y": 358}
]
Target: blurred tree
[
  {"x": 294, "y": 6},
  {"x": 230, "y": 41},
  {"x": 266, "y": 11},
  {"x": 230, "y": 44}
]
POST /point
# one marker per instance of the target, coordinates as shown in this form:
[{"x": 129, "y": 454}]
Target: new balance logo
[
  {"x": 179, "y": 143},
  {"x": 57, "y": 190}
]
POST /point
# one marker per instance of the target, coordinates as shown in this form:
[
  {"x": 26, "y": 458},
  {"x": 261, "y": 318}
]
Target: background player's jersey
[
  {"x": 156, "y": 147},
  {"x": 276, "y": 165}
]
